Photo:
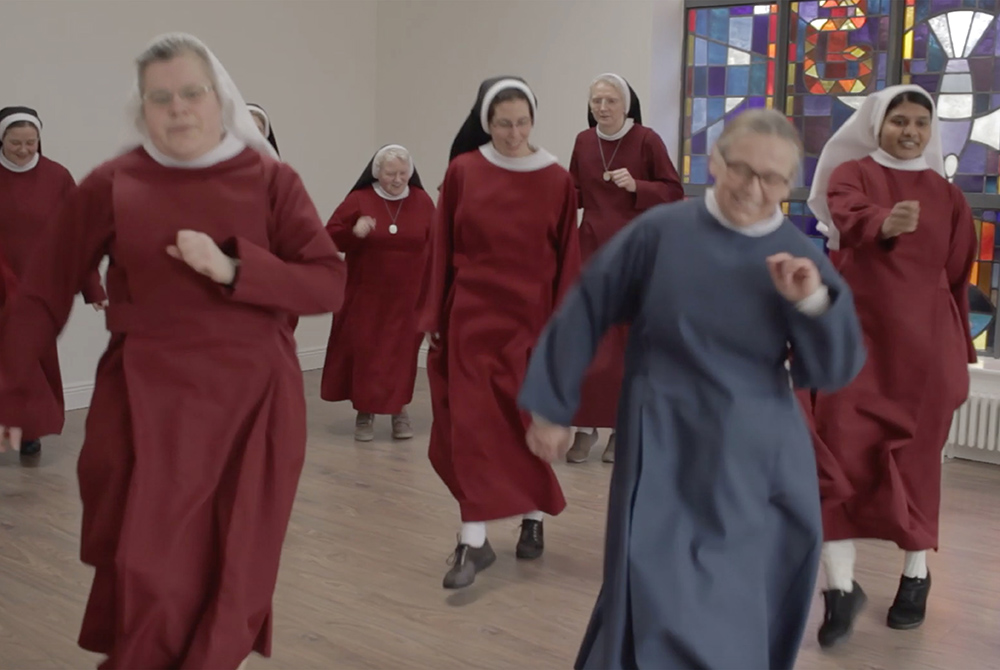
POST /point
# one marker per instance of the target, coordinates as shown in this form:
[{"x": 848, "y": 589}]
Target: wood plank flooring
[{"x": 360, "y": 583}]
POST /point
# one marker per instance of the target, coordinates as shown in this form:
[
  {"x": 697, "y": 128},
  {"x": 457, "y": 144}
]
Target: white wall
[
  {"x": 304, "y": 61},
  {"x": 434, "y": 53},
  {"x": 339, "y": 78}
]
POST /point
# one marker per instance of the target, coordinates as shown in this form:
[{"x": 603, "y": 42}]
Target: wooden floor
[{"x": 360, "y": 583}]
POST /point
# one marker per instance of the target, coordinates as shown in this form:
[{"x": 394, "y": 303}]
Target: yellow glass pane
[
  {"x": 908, "y": 45},
  {"x": 980, "y": 342},
  {"x": 790, "y": 105},
  {"x": 908, "y": 18},
  {"x": 687, "y": 166}
]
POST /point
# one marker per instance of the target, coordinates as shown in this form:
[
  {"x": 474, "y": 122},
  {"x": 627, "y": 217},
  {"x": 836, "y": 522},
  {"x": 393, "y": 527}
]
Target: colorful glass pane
[
  {"x": 952, "y": 49},
  {"x": 837, "y": 54},
  {"x": 986, "y": 269},
  {"x": 730, "y": 68},
  {"x": 798, "y": 212}
]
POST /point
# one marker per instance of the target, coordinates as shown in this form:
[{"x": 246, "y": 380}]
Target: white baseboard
[{"x": 78, "y": 396}]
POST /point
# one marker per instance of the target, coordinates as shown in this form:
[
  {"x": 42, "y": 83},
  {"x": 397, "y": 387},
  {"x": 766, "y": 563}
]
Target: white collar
[
  {"x": 886, "y": 159},
  {"x": 627, "y": 126},
  {"x": 759, "y": 229},
  {"x": 14, "y": 167},
  {"x": 385, "y": 194},
  {"x": 534, "y": 161},
  {"x": 229, "y": 147}
]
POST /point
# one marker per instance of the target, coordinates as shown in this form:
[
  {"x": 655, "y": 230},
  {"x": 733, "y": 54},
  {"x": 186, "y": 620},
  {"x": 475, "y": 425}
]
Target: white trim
[{"x": 538, "y": 160}]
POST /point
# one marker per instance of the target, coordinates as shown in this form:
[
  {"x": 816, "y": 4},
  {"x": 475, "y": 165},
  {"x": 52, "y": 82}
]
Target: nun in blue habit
[{"x": 714, "y": 530}]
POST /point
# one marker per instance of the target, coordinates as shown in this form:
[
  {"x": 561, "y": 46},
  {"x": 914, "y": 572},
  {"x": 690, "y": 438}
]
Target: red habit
[
  {"x": 28, "y": 204},
  {"x": 504, "y": 252},
  {"x": 371, "y": 358},
  {"x": 606, "y": 210},
  {"x": 196, "y": 433},
  {"x": 886, "y": 430}
]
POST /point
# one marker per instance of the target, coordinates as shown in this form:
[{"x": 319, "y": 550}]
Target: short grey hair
[
  {"x": 613, "y": 82},
  {"x": 392, "y": 153},
  {"x": 759, "y": 122},
  {"x": 168, "y": 48}
]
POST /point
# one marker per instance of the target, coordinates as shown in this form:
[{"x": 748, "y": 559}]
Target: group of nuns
[{"x": 681, "y": 327}]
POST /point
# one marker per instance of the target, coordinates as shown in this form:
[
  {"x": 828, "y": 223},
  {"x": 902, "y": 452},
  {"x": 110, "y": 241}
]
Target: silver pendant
[
  {"x": 393, "y": 229},
  {"x": 607, "y": 176}
]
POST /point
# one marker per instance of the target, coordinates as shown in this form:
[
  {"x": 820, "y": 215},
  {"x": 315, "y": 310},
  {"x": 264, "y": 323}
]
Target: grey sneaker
[{"x": 364, "y": 427}]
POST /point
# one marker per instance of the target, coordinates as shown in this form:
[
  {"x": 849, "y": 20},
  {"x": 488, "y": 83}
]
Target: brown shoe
[
  {"x": 582, "y": 444},
  {"x": 364, "y": 427},
  {"x": 609, "y": 451},
  {"x": 401, "y": 429}
]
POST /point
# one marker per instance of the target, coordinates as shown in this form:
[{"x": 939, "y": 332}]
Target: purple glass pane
[
  {"x": 986, "y": 44},
  {"x": 954, "y": 135},
  {"x": 918, "y": 66},
  {"x": 973, "y": 159},
  {"x": 760, "y": 33},
  {"x": 815, "y": 133},
  {"x": 929, "y": 82},
  {"x": 970, "y": 183},
  {"x": 698, "y": 144},
  {"x": 741, "y": 11},
  {"x": 982, "y": 73},
  {"x": 817, "y": 105},
  {"x": 716, "y": 81},
  {"x": 809, "y": 10},
  {"x": 756, "y": 103}
]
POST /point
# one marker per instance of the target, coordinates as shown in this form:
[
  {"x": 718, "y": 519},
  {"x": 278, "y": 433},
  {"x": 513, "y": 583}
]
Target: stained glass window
[
  {"x": 837, "y": 54},
  {"x": 952, "y": 49},
  {"x": 730, "y": 67},
  {"x": 986, "y": 271},
  {"x": 798, "y": 212}
]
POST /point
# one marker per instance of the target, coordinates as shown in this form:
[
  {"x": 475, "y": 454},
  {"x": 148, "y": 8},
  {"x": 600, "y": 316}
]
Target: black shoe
[
  {"x": 910, "y": 606},
  {"x": 841, "y": 611},
  {"x": 31, "y": 448},
  {"x": 532, "y": 541},
  {"x": 466, "y": 562}
]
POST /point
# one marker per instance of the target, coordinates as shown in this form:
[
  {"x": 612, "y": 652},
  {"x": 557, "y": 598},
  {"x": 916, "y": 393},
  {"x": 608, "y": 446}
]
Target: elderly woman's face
[
  {"x": 393, "y": 175},
  {"x": 607, "y": 106},
  {"x": 181, "y": 108},
  {"x": 753, "y": 176},
  {"x": 20, "y": 144}
]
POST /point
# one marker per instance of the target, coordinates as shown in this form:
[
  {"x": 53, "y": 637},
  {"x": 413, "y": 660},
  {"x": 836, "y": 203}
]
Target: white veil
[{"x": 236, "y": 118}]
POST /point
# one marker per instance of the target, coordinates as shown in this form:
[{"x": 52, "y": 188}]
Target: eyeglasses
[
  {"x": 768, "y": 180},
  {"x": 189, "y": 94}
]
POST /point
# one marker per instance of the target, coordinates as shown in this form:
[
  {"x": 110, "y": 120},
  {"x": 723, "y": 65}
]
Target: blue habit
[{"x": 714, "y": 528}]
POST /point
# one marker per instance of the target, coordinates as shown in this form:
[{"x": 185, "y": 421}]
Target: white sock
[
  {"x": 535, "y": 516},
  {"x": 838, "y": 561},
  {"x": 915, "y": 564},
  {"x": 474, "y": 534}
]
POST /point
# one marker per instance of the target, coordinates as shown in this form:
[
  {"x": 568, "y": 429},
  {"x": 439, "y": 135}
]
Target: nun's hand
[
  {"x": 10, "y": 438},
  {"x": 365, "y": 225},
  {"x": 623, "y": 179},
  {"x": 903, "y": 219},
  {"x": 548, "y": 441},
  {"x": 203, "y": 255},
  {"x": 795, "y": 278},
  {"x": 100, "y": 306}
]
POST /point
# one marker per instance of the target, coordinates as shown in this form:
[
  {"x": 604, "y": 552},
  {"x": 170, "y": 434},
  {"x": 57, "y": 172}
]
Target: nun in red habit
[
  {"x": 905, "y": 242},
  {"x": 621, "y": 168},
  {"x": 263, "y": 122},
  {"x": 196, "y": 434},
  {"x": 383, "y": 226},
  {"x": 31, "y": 189},
  {"x": 504, "y": 251}
]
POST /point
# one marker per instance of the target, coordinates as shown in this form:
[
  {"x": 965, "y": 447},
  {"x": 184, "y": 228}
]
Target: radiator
[{"x": 975, "y": 430}]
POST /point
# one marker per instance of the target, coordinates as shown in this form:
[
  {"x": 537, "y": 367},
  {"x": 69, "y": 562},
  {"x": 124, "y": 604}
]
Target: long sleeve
[
  {"x": 610, "y": 291},
  {"x": 856, "y": 217},
  {"x": 439, "y": 273},
  {"x": 568, "y": 246},
  {"x": 301, "y": 273},
  {"x": 961, "y": 256},
  {"x": 341, "y": 224},
  {"x": 38, "y": 312},
  {"x": 664, "y": 184},
  {"x": 574, "y": 171},
  {"x": 828, "y": 348},
  {"x": 92, "y": 290}
]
